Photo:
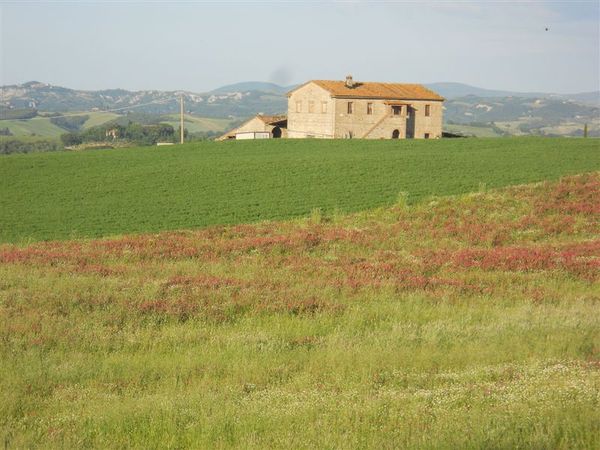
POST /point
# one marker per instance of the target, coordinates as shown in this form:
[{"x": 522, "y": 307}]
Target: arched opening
[
  {"x": 276, "y": 132},
  {"x": 395, "y": 134}
]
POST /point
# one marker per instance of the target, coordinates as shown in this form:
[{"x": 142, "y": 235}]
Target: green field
[
  {"x": 41, "y": 126},
  {"x": 466, "y": 322},
  {"x": 469, "y": 130},
  {"x": 196, "y": 124},
  {"x": 37, "y": 126},
  {"x": 62, "y": 195}
]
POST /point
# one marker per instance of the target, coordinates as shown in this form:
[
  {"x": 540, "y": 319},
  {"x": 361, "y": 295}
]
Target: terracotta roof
[
  {"x": 271, "y": 119},
  {"x": 369, "y": 89}
]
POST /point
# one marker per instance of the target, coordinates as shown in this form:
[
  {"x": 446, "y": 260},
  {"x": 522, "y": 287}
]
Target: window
[
  {"x": 427, "y": 110},
  {"x": 426, "y": 135},
  {"x": 298, "y": 106},
  {"x": 369, "y": 108},
  {"x": 323, "y": 107},
  {"x": 350, "y": 107},
  {"x": 311, "y": 106},
  {"x": 397, "y": 110}
]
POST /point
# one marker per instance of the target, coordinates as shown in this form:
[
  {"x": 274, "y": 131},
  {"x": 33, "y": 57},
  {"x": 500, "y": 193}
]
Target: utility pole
[{"x": 181, "y": 117}]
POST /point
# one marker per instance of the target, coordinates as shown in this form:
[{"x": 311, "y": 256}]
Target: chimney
[{"x": 349, "y": 82}]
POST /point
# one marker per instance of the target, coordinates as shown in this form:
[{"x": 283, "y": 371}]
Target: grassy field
[
  {"x": 468, "y": 130},
  {"x": 41, "y": 126},
  {"x": 458, "y": 322},
  {"x": 37, "y": 126},
  {"x": 196, "y": 124},
  {"x": 98, "y": 118},
  {"x": 99, "y": 193}
]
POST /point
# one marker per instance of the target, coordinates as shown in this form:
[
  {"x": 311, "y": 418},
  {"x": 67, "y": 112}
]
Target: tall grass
[{"x": 462, "y": 322}]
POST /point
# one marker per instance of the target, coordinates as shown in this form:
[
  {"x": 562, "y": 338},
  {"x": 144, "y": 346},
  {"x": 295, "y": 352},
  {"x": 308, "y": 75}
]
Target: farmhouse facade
[
  {"x": 341, "y": 109},
  {"x": 369, "y": 110}
]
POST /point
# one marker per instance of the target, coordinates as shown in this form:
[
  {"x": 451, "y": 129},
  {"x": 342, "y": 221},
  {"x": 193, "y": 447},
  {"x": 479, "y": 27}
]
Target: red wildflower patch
[{"x": 582, "y": 259}]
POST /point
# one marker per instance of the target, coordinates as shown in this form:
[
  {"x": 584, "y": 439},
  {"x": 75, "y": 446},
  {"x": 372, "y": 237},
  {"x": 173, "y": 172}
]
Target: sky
[{"x": 199, "y": 46}]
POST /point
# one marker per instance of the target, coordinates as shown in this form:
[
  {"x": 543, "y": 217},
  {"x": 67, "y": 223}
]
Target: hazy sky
[{"x": 199, "y": 46}]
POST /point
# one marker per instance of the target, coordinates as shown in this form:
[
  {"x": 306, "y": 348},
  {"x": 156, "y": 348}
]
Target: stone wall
[
  {"x": 381, "y": 123},
  {"x": 306, "y": 119}
]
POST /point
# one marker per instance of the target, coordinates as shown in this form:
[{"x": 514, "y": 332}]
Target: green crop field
[
  {"x": 97, "y": 193},
  {"x": 468, "y": 130},
  {"x": 42, "y": 126},
  {"x": 196, "y": 124},
  {"x": 37, "y": 126},
  {"x": 465, "y": 322},
  {"x": 98, "y": 118}
]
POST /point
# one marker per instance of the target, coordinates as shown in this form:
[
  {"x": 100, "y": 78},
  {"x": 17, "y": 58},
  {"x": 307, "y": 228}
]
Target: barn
[{"x": 259, "y": 127}]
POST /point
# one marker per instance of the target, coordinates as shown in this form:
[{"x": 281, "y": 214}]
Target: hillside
[
  {"x": 463, "y": 322},
  {"x": 524, "y": 113},
  {"x": 42, "y": 125},
  {"x": 220, "y": 104},
  {"x": 451, "y": 91},
  {"x": 86, "y": 194}
]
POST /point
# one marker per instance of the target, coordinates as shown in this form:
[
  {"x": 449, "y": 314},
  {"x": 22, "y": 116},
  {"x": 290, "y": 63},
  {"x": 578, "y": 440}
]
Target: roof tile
[{"x": 369, "y": 89}]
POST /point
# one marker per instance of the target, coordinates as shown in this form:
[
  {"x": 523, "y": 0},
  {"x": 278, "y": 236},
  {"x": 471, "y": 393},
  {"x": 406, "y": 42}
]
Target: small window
[
  {"x": 426, "y": 135},
  {"x": 311, "y": 106},
  {"x": 397, "y": 110},
  {"x": 350, "y": 107},
  {"x": 427, "y": 110},
  {"x": 369, "y": 108},
  {"x": 298, "y": 106},
  {"x": 323, "y": 107}
]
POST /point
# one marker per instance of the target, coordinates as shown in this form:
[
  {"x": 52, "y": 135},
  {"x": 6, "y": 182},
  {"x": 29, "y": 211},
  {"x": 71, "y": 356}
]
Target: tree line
[{"x": 131, "y": 132}]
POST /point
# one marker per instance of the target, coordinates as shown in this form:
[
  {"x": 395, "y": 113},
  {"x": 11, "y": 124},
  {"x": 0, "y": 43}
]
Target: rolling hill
[{"x": 522, "y": 113}]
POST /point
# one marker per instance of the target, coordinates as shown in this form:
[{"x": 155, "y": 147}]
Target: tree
[{"x": 70, "y": 139}]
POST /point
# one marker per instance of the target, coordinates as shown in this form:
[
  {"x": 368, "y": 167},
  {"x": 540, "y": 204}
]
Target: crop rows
[{"x": 98, "y": 193}]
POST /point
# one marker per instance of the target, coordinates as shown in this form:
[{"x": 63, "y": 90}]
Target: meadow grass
[
  {"x": 66, "y": 195},
  {"x": 195, "y": 124},
  {"x": 38, "y": 126},
  {"x": 458, "y": 322}
]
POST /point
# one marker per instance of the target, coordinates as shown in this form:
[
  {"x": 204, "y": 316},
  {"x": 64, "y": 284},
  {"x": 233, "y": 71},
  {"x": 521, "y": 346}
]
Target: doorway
[
  {"x": 276, "y": 132},
  {"x": 395, "y": 134},
  {"x": 410, "y": 122}
]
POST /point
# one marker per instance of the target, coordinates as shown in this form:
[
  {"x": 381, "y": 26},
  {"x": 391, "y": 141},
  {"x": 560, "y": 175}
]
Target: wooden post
[{"x": 181, "y": 118}]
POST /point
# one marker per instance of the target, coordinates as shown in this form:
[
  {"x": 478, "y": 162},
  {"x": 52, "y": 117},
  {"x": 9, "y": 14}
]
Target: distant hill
[
  {"x": 451, "y": 90},
  {"x": 519, "y": 112},
  {"x": 221, "y": 103},
  {"x": 253, "y": 86}
]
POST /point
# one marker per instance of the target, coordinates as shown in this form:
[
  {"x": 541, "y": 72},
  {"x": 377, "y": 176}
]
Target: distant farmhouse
[{"x": 349, "y": 109}]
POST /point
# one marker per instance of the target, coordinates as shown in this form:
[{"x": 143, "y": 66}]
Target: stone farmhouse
[{"x": 349, "y": 109}]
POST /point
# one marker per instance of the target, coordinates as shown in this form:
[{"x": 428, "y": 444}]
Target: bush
[
  {"x": 17, "y": 114},
  {"x": 9, "y": 146},
  {"x": 69, "y": 139},
  {"x": 71, "y": 123}
]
